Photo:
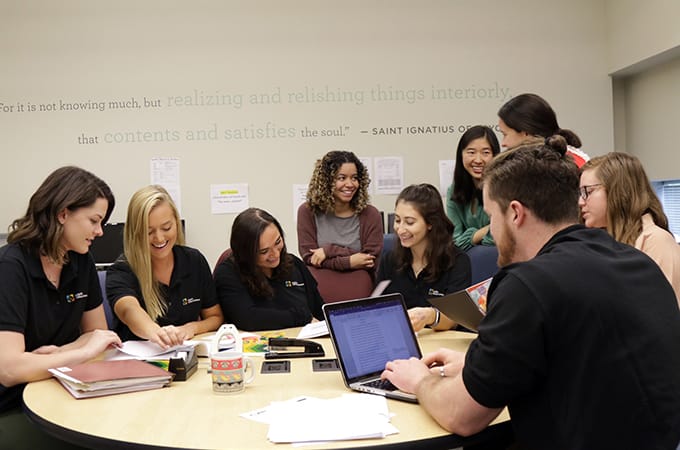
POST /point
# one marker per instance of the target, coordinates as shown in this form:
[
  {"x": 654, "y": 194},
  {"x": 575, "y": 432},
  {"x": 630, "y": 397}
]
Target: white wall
[
  {"x": 79, "y": 51},
  {"x": 652, "y": 109},
  {"x": 639, "y": 32},
  {"x": 644, "y": 60}
]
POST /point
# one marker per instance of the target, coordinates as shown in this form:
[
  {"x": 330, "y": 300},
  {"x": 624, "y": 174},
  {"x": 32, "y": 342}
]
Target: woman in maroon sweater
[{"x": 340, "y": 235}]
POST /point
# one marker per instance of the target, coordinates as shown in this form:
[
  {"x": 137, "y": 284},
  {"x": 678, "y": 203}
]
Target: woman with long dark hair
[
  {"x": 425, "y": 263},
  {"x": 464, "y": 206},
  {"x": 526, "y": 117},
  {"x": 260, "y": 285}
]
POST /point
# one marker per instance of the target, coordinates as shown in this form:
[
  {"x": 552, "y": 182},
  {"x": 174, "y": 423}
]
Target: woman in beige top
[{"x": 617, "y": 195}]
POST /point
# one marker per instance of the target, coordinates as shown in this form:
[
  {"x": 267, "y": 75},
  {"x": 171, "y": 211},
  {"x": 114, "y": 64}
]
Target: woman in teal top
[{"x": 464, "y": 207}]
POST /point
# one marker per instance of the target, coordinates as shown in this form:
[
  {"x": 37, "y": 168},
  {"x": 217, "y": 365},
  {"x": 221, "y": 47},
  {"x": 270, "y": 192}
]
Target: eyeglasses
[{"x": 585, "y": 191}]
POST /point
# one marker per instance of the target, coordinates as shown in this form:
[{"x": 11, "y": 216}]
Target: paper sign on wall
[
  {"x": 446, "y": 167},
  {"x": 299, "y": 197},
  {"x": 228, "y": 198},
  {"x": 389, "y": 174},
  {"x": 165, "y": 172}
]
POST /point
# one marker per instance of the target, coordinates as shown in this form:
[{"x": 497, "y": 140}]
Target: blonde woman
[
  {"x": 616, "y": 195},
  {"x": 160, "y": 290},
  {"x": 340, "y": 235}
]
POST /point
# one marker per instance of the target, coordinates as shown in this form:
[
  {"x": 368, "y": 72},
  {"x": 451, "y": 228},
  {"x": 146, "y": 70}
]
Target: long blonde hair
[
  {"x": 629, "y": 195},
  {"x": 136, "y": 243}
]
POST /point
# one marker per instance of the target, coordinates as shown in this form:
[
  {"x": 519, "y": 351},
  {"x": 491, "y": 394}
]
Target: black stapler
[
  {"x": 310, "y": 348},
  {"x": 183, "y": 364}
]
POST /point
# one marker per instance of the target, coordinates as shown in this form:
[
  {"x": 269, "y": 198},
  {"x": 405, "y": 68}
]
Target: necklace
[
  {"x": 418, "y": 270},
  {"x": 49, "y": 269}
]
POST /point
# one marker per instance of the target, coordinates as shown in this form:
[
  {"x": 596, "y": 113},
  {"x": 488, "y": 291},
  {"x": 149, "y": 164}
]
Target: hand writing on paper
[{"x": 318, "y": 256}]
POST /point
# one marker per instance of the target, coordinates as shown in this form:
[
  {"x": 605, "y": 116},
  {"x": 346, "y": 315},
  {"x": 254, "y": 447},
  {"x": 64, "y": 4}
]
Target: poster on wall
[
  {"x": 165, "y": 172},
  {"x": 228, "y": 198}
]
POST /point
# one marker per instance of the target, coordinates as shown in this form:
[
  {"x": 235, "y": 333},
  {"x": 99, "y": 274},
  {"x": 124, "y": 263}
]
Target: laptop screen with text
[{"x": 370, "y": 332}]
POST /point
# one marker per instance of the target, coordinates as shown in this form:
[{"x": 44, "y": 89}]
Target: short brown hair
[{"x": 539, "y": 176}]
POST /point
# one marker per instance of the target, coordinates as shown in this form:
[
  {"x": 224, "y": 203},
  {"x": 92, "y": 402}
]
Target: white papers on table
[
  {"x": 309, "y": 419},
  {"x": 202, "y": 345},
  {"x": 313, "y": 329},
  {"x": 145, "y": 350}
]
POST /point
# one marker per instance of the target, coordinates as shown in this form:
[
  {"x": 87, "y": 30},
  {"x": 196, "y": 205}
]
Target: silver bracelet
[{"x": 437, "y": 318}]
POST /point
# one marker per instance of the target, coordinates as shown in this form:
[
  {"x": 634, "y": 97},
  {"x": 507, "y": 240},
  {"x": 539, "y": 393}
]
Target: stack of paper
[
  {"x": 313, "y": 329},
  {"x": 308, "y": 419},
  {"x": 97, "y": 378}
]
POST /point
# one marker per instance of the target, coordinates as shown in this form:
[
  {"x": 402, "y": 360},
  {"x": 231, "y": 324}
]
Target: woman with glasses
[
  {"x": 616, "y": 195},
  {"x": 260, "y": 285}
]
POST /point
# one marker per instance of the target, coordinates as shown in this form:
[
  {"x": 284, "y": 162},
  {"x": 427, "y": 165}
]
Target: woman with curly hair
[
  {"x": 260, "y": 285},
  {"x": 425, "y": 263},
  {"x": 340, "y": 235}
]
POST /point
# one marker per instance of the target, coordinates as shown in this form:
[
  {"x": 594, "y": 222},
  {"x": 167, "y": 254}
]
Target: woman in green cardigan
[{"x": 476, "y": 149}]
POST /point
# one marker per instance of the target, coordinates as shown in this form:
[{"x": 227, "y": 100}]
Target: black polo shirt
[
  {"x": 191, "y": 289},
  {"x": 582, "y": 343},
  {"x": 416, "y": 290},
  {"x": 296, "y": 298},
  {"x": 32, "y": 306}
]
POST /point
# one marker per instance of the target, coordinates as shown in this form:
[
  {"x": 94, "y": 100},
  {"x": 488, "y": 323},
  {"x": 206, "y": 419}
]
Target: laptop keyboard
[{"x": 385, "y": 385}]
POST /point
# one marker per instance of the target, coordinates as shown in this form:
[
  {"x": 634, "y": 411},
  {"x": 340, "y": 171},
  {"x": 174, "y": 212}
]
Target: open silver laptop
[{"x": 366, "y": 334}]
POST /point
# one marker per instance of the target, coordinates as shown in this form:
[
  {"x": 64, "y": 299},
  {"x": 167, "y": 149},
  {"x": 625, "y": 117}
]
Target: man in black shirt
[{"x": 582, "y": 336}]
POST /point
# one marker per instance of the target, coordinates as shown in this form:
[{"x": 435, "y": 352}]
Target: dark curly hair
[{"x": 320, "y": 192}]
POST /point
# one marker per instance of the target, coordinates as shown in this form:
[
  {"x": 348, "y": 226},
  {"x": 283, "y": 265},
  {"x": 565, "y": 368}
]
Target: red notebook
[{"x": 97, "y": 378}]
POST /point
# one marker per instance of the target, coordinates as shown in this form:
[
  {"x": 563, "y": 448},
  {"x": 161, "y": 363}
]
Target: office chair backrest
[{"x": 111, "y": 319}]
